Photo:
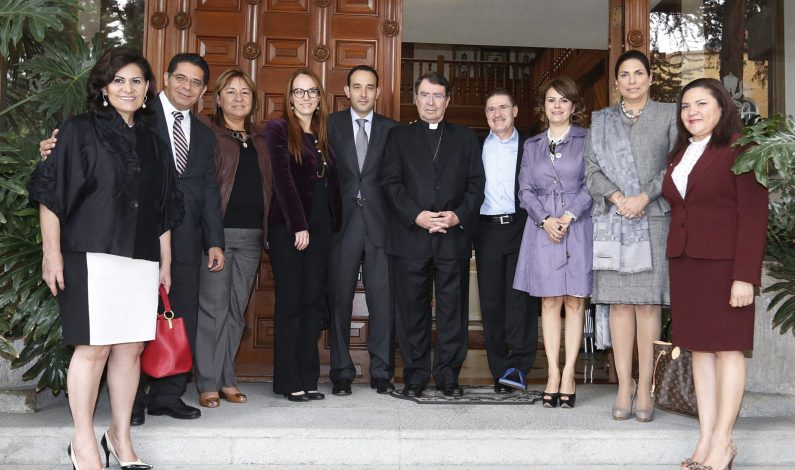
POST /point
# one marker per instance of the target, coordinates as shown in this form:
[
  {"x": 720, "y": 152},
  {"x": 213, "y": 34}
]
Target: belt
[
  {"x": 503, "y": 219},
  {"x": 359, "y": 201}
]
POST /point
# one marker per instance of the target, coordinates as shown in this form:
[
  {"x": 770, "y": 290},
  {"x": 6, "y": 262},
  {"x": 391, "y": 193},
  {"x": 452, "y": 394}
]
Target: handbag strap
[
  {"x": 167, "y": 312},
  {"x": 654, "y": 373}
]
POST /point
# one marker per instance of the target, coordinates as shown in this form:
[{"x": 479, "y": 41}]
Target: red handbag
[{"x": 169, "y": 353}]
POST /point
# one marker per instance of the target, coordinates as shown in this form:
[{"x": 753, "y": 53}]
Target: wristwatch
[{"x": 541, "y": 223}]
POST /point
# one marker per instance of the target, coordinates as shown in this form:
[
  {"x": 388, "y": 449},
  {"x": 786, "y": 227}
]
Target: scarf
[{"x": 619, "y": 244}]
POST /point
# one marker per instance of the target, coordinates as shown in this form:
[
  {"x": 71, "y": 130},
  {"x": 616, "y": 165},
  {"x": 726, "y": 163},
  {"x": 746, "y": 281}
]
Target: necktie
[
  {"x": 180, "y": 143},
  {"x": 361, "y": 142}
]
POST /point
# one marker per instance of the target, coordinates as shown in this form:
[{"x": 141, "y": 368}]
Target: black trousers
[
  {"x": 300, "y": 278},
  {"x": 412, "y": 281},
  {"x": 510, "y": 317},
  {"x": 184, "y": 297}
]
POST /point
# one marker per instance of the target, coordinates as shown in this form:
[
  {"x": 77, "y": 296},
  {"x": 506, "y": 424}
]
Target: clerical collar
[{"x": 432, "y": 126}]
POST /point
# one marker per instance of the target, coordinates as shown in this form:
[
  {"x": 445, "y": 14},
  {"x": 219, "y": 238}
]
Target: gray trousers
[{"x": 223, "y": 297}]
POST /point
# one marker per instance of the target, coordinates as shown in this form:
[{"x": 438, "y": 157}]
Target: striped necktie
[{"x": 180, "y": 143}]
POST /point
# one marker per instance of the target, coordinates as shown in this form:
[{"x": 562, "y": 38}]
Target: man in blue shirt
[{"x": 510, "y": 317}]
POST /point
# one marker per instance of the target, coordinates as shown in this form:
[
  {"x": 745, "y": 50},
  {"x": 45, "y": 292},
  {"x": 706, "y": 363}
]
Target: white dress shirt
[
  {"x": 499, "y": 161},
  {"x": 168, "y": 108},
  {"x": 367, "y": 125},
  {"x": 686, "y": 164}
]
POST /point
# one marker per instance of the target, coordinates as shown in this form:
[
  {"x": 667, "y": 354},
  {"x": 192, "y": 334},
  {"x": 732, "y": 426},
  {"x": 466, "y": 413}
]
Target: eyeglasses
[
  {"x": 494, "y": 109},
  {"x": 436, "y": 96},
  {"x": 300, "y": 92},
  {"x": 195, "y": 82}
]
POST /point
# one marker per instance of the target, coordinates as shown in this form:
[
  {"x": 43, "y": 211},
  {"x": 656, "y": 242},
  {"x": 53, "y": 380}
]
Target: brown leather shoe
[
  {"x": 236, "y": 397},
  {"x": 209, "y": 401}
]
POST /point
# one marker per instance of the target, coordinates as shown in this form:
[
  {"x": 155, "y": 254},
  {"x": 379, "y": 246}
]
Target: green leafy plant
[
  {"x": 48, "y": 85},
  {"x": 772, "y": 159}
]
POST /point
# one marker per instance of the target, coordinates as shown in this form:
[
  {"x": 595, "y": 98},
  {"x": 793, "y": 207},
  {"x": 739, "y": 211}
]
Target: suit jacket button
[
  {"x": 436, "y": 188},
  {"x": 684, "y": 225},
  {"x": 134, "y": 204}
]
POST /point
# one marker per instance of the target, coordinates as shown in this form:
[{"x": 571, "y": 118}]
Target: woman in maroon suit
[{"x": 715, "y": 248}]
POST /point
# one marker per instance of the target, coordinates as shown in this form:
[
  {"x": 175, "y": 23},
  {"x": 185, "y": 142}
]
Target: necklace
[
  {"x": 553, "y": 144},
  {"x": 323, "y": 164},
  {"x": 438, "y": 144},
  {"x": 240, "y": 136},
  {"x": 628, "y": 114}
]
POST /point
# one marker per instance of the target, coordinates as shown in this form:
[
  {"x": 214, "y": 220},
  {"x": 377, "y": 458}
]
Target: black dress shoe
[
  {"x": 382, "y": 385},
  {"x": 341, "y": 387},
  {"x": 500, "y": 388},
  {"x": 412, "y": 391},
  {"x": 453, "y": 390},
  {"x": 138, "y": 416},
  {"x": 178, "y": 410},
  {"x": 296, "y": 398},
  {"x": 315, "y": 395}
]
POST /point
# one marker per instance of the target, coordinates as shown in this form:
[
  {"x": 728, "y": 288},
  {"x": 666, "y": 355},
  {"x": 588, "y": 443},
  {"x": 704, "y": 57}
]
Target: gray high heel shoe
[
  {"x": 645, "y": 415},
  {"x": 621, "y": 414}
]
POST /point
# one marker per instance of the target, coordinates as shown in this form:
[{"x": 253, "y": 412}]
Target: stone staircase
[{"x": 371, "y": 431}]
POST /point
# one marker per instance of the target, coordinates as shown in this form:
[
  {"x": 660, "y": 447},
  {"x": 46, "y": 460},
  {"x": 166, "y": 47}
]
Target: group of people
[{"x": 140, "y": 192}]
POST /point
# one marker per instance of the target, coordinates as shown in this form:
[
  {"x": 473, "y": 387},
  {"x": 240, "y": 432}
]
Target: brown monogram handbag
[{"x": 673, "y": 387}]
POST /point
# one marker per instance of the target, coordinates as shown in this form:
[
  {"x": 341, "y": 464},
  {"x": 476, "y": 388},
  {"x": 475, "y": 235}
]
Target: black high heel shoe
[
  {"x": 552, "y": 401},
  {"x": 107, "y": 446},
  {"x": 567, "y": 400},
  {"x": 72, "y": 456}
]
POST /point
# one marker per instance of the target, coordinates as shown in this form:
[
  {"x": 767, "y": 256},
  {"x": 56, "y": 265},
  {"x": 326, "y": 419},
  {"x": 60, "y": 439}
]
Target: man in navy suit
[
  {"x": 358, "y": 136},
  {"x": 433, "y": 181},
  {"x": 201, "y": 229}
]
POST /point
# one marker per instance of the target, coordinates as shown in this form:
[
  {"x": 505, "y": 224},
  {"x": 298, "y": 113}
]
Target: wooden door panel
[{"x": 269, "y": 39}]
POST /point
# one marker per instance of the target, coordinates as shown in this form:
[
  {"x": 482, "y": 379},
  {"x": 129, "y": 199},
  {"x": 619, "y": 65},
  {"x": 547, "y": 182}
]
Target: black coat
[
  {"x": 110, "y": 185},
  {"x": 202, "y": 227},
  {"x": 413, "y": 182},
  {"x": 368, "y": 180}
]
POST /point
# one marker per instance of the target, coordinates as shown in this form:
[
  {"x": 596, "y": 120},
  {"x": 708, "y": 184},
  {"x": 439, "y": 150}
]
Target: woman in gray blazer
[{"x": 625, "y": 158}]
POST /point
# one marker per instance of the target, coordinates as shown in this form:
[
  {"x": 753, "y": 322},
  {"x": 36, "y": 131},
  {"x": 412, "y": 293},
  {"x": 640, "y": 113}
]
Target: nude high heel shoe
[{"x": 621, "y": 414}]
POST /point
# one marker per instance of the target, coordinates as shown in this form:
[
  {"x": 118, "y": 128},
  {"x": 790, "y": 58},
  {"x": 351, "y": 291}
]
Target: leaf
[{"x": 38, "y": 15}]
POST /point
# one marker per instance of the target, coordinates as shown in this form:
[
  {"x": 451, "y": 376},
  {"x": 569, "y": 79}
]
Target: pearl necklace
[{"x": 628, "y": 114}]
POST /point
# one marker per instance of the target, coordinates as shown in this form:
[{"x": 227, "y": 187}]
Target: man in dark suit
[
  {"x": 357, "y": 136},
  {"x": 433, "y": 180},
  {"x": 510, "y": 317},
  {"x": 192, "y": 146},
  {"x": 202, "y": 228}
]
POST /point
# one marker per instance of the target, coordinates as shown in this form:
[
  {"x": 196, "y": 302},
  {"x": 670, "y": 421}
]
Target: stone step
[{"x": 366, "y": 430}]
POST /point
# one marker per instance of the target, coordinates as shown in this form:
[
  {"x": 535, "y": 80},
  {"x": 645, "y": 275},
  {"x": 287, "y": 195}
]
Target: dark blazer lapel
[
  {"x": 710, "y": 156},
  {"x": 351, "y": 157},
  {"x": 195, "y": 138},
  {"x": 422, "y": 151},
  {"x": 376, "y": 134}
]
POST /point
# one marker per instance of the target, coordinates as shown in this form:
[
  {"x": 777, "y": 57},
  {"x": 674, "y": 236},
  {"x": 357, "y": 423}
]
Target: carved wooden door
[{"x": 269, "y": 39}]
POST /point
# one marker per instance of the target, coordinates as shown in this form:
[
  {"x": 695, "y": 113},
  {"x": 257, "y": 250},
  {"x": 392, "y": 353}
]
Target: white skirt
[{"x": 108, "y": 299}]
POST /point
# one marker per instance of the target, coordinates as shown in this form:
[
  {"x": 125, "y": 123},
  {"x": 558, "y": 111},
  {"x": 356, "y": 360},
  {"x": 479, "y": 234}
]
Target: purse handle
[{"x": 168, "y": 314}]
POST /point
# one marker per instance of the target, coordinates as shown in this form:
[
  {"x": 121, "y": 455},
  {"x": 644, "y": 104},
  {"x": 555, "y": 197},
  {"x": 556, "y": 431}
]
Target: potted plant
[{"x": 772, "y": 159}]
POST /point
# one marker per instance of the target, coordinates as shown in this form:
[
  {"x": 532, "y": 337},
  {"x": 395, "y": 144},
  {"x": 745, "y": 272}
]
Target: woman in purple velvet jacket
[
  {"x": 555, "y": 257},
  {"x": 306, "y": 203}
]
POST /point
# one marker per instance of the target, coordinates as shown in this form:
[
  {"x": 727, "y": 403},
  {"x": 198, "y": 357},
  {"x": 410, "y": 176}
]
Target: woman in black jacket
[{"x": 107, "y": 201}]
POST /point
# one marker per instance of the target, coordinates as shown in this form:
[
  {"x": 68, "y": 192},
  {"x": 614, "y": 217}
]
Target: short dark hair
[
  {"x": 436, "y": 79},
  {"x": 567, "y": 89},
  {"x": 500, "y": 92},
  {"x": 728, "y": 125},
  {"x": 104, "y": 72},
  {"x": 365, "y": 68},
  {"x": 191, "y": 58},
  {"x": 632, "y": 54}
]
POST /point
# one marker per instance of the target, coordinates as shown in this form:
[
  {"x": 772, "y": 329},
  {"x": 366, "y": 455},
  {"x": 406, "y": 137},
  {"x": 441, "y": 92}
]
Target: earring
[
  {"x": 105, "y": 100},
  {"x": 292, "y": 107},
  {"x": 144, "y": 105}
]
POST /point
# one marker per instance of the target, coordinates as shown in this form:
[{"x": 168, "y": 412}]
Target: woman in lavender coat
[{"x": 555, "y": 257}]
